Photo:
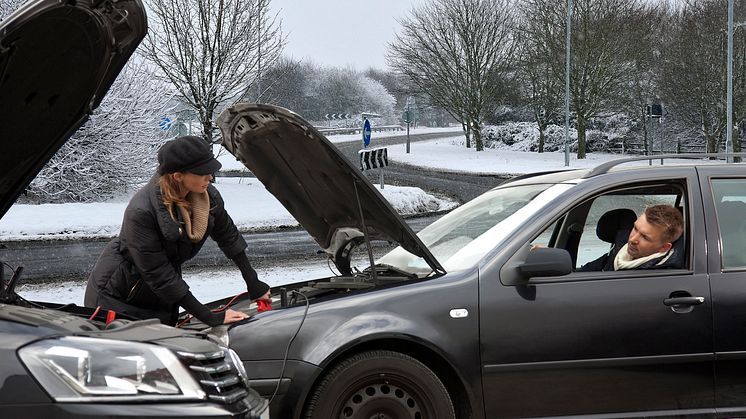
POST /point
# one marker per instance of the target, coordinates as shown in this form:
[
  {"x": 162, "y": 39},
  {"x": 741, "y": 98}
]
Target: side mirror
[{"x": 546, "y": 261}]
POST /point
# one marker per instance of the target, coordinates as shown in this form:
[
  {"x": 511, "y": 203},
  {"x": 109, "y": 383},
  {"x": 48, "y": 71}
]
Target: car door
[
  {"x": 724, "y": 195},
  {"x": 599, "y": 342}
]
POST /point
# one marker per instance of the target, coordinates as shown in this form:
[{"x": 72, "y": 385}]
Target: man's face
[{"x": 646, "y": 239}]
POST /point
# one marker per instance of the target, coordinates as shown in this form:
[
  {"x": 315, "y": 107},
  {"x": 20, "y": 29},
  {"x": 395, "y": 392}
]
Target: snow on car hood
[
  {"x": 328, "y": 196},
  {"x": 57, "y": 60}
]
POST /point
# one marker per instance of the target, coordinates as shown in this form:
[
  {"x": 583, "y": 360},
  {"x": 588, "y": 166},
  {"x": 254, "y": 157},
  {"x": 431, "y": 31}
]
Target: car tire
[{"x": 381, "y": 384}]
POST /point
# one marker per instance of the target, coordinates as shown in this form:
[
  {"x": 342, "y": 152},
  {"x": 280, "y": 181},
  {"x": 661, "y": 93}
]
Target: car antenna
[{"x": 365, "y": 234}]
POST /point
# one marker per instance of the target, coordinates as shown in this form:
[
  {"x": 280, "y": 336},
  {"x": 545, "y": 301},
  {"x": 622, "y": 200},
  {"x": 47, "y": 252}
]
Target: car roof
[{"x": 623, "y": 165}]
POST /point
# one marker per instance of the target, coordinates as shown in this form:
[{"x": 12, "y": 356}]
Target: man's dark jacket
[{"x": 139, "y": 272}]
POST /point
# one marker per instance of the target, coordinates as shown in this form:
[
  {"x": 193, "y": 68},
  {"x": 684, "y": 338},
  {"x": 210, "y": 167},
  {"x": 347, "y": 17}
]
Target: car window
[
  {"x": 730, "y": 207},
  {"x": 576, "y": 232},
  {"x": 590, "y": 246}
]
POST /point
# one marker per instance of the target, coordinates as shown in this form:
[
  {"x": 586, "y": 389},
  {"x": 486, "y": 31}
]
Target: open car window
[{"x": 576, "y": 230}]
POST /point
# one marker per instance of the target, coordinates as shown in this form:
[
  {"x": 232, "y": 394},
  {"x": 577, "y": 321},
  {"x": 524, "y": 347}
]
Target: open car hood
[
  {"x": 57, "y": 60},
  {"x": 328, "y": 196}
]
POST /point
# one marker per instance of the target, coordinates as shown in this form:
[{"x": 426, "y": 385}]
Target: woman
[{"x": 165, "y": 224}]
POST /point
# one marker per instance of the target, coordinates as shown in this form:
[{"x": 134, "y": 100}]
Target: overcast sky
[{"x": 341, "y": 32}]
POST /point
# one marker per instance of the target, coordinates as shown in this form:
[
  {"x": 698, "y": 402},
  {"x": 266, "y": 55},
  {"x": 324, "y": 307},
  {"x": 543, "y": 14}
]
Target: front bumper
[
  {"x": 291, "y": 391},
  {"x": 251, "y": 407}
]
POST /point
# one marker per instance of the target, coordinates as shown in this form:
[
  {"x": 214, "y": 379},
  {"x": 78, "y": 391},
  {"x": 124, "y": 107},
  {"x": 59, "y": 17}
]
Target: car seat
[{"x": 615, "y": 223}]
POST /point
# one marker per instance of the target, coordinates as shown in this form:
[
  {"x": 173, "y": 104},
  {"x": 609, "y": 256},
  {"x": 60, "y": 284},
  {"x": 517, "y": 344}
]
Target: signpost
[
  {"x": 366, "y": 133},
  {"x": 408, "y": 118}
]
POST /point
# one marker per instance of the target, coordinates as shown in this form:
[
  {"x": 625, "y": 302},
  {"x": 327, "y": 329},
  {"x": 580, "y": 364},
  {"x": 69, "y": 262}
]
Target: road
[
  {"x": 73, "y": 259},
  {"x": 461, "y": 186},
  {"x": 47, "y": 260}
]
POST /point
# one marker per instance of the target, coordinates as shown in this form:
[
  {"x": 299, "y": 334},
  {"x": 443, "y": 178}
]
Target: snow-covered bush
[{"x": 604, "y": 135}]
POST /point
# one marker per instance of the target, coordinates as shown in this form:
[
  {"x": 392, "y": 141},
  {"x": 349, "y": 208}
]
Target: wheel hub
[{"x": 381, "y": 401}]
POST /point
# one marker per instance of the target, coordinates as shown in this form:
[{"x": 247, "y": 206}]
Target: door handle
[{"x": 683, "y": 301}]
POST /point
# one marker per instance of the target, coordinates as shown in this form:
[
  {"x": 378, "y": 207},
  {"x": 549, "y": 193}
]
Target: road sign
[
  {"x": 366, "y": 133},
  {"x": 374, "y": 158},
  {"x": 165, "y": 123},
  {"x": 337, "y": 116}
]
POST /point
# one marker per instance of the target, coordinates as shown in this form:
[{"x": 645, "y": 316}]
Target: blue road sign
[
  {"x": 165, "y": 123},
  {"x": 366, "y": 133}
]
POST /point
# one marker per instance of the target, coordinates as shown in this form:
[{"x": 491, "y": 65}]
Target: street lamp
[
  {"x": 729, "y": 103},
  {"x": 567, "y": 82}
]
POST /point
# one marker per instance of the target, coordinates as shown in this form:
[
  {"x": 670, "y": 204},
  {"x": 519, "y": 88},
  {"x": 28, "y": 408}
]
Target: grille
[{"x": 216, "y": 374}]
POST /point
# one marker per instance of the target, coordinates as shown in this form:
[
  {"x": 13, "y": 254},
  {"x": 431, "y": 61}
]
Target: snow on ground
[
  {"x": 246, "y": 200},
  {"x": 230, "y": 163},
  {"x": 451, "y": 155}
]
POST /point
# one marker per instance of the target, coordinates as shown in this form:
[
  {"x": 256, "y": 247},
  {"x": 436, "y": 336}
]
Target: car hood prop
[{"x": 329, "y": 197}]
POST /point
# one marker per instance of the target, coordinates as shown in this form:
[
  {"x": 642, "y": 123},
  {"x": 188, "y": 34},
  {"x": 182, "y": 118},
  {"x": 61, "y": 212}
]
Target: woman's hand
[
  {"x": 266, "y": 296},
  {"x": 232, "y": 316}
]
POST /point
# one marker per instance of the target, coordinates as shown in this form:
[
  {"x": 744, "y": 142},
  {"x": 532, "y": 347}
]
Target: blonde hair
[{"x": 171, "y": 191}]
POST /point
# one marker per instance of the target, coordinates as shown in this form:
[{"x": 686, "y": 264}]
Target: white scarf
[{"x": 624, "y": 261}]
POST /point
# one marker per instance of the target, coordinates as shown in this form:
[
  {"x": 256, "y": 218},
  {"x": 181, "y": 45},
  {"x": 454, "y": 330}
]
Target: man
[{"x": 649, "y": 244}]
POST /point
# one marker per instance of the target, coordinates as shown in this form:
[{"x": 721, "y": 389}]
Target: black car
[
  {"x": 57, "y": 60},
  {"x": 464, "y": 320}
]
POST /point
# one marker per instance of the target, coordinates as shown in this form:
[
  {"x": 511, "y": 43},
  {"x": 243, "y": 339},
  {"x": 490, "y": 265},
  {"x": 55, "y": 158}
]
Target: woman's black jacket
[{"x": 139, "y": 272}]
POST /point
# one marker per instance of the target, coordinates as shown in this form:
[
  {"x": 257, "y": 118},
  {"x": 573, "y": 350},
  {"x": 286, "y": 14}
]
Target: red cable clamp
[{"x": 263, "y": 305}]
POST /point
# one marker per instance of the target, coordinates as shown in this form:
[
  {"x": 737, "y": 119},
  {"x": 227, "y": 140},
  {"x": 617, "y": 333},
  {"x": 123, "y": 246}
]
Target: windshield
[{"x": 461, "y": 238}]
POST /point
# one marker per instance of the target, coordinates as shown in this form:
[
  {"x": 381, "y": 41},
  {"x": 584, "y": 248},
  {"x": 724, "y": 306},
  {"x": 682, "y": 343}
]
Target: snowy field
[
  {"x": 450, "y": 154},
  {"x": 246, "y": 200},
  {"x": 231, "y": 164}
]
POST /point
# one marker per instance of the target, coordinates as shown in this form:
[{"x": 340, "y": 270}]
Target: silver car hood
[{"x": 328, "y": 196}]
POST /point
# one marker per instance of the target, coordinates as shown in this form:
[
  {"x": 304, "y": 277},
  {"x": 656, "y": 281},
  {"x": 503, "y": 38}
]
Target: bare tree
[
  {"x": 693, "y": 69},
  {"x": 213, "y": 50},
  {"x": 603, "y": 46},
  {"x": 456, "y": 52},
  {"x": 643, "y": 90},
  {"x": 540, "y": 89},
  {"x": 114, "y": 151}
]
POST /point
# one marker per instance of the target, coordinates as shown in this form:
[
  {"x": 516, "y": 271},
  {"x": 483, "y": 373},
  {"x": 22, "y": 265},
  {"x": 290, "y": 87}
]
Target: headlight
[
  {"x": 74, "y": 369},
  {"x": 239, "y": 365}
]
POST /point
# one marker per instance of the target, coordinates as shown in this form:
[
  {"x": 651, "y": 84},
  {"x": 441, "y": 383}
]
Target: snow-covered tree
[
  {"x": 213, "y": 51},
  {"x": 457, "y": 52},
  {"x": 314, "y": 91},
  {"x": 9, "y": 6},
  {"x": 114, "y": 151},
  {"x": 288, "y": 84}
]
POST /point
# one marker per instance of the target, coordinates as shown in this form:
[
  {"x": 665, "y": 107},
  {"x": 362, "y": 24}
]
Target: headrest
[{"x": 613, "y": 221}]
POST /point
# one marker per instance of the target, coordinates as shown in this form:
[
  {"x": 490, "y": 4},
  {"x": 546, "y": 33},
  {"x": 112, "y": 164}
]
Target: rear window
[{"x": 730, "y": 206}]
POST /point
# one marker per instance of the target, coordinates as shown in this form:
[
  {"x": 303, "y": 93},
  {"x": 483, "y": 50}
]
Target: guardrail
[{"x": 359, "y": 130}]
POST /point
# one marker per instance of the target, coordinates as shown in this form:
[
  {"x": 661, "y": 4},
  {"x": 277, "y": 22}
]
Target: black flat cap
[{"x": 187, "y": 154}]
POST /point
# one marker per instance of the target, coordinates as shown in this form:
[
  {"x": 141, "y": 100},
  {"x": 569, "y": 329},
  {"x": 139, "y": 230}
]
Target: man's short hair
[{"x": 668, "y": 217}]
